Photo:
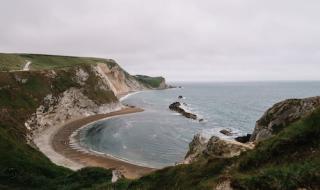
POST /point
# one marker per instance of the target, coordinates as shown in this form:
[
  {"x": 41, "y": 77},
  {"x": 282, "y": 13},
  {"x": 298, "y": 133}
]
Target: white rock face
[
  {"x": 117, "y": 80},
  {"x": 81, "y": 76},
  {"x": 214, "y": 147},
  {"x": 196, "y": 147},
  {"x": 116, "y": 175},
  {"x": 71, "y": 104}
]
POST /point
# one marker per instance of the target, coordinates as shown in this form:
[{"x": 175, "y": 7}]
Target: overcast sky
[{"x": 182, "y": 40}]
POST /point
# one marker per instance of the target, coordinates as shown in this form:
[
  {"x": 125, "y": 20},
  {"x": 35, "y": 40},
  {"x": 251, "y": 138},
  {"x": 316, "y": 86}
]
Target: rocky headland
[
  {"x": 176, "y": 106},
  {"x": 273, "y": 121},
  {"x": 37, "y": 102},
  {"x": 281, "y": 115}
]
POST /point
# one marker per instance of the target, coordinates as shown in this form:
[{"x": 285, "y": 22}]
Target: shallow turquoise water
[{"x": 159, "y": 137}]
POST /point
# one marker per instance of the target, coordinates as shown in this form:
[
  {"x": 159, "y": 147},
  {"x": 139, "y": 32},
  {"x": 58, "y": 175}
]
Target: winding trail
[
  {"x": 61, "y": 144},
  {"x": 27, "y": 66}
]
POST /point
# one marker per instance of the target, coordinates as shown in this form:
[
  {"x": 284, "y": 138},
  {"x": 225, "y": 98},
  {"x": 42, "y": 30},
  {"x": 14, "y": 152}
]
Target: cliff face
[
  {"x": 118, "y": 80},
  {"x": 55, "y": 89},
  {"x": 281, "y": 115},
  {"x": 40, "y": 92},
  {"x": 215, "y": 147}
]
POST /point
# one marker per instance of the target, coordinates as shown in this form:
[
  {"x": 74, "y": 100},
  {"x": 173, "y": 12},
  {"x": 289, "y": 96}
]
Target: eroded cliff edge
[{"x": 55, "y": 89}]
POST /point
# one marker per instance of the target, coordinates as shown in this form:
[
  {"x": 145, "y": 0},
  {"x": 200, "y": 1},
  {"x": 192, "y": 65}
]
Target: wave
[{"x": 128, "y": 95}]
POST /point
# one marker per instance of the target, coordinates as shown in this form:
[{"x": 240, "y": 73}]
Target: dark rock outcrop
[
  {"x": 180, "y": 97},
  {"x": 243, "y": 139},
  {"x": 226, "y": 132},
  {"x": 176, "y": 107},
  {"x": 281, "y": 115}
]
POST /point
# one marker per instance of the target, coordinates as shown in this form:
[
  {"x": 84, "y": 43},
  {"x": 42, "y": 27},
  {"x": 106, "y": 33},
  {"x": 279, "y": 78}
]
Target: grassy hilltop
[
  {"x": 40, "y": 62},
  {"x": 16, "y": 62}
]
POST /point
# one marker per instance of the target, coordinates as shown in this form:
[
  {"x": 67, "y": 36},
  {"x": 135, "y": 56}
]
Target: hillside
[
  {"x": 16, "y": 62},
  {"x": 40, "y": 62},
  {"x": 51, "y": 91},
  {"x": 56, "y": 88}
]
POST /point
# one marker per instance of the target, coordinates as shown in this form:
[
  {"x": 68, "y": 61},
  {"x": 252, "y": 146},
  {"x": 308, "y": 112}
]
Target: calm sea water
[{"x": 159, "y": 137}]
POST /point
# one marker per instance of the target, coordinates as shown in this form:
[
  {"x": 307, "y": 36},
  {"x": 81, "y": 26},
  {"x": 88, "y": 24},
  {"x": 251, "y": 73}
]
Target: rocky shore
[
  {"x": 273, "y": 121},
  {"x": 281, "y": 115}
]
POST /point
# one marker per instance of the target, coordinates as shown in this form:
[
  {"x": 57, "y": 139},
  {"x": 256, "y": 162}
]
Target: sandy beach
[{"x": 76, "y": 158}]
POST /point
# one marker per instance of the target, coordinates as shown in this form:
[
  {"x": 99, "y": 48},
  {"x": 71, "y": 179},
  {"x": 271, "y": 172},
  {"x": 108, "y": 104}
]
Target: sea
[{"x": 159, "y": 137}]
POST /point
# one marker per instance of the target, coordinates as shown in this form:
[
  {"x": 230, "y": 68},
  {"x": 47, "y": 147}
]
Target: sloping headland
[{"x": 45, "y": 98}]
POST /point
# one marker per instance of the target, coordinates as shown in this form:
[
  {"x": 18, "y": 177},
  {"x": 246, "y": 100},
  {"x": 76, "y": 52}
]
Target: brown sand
[{"x": 61, "y": 144}]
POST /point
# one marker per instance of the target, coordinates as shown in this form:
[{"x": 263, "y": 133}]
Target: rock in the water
[
  {"x": 226, "y": 132},
  {"x": 281, "y": 115},
  {"x": 180, "y": 97},
  {"x": 176, "y": 107},
  {"x": 243, "y": 139},
  {"x": 201, "y": 120}
]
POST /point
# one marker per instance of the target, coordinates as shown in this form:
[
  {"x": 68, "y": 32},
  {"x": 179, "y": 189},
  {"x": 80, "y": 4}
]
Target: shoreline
[
  {"x": 75, "y": 143},
  {"x": 127, "y": 95},
  {"x": 61, "y": 143}
]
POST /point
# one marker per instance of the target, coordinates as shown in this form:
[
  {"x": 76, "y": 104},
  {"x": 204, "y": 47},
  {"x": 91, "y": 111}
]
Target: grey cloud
[{"x": 206, "y": 40}]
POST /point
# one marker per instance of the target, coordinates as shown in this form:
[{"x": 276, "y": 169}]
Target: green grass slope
[
  {"x": 290, "y": 160},
  {"x": 40, "y": 62},
  {"x": 21, "y": 166},
  {"x": 153, "y": 82},
  {"x": 15, "y": 62}
]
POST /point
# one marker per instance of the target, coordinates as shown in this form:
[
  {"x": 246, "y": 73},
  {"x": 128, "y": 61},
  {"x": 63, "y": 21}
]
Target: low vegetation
[
  {"x": 290, "y": 160},
  {"x": 153, "y": 82},
  {"x": 22, "y": 166},
  {"x": 10, "y": 62}
]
